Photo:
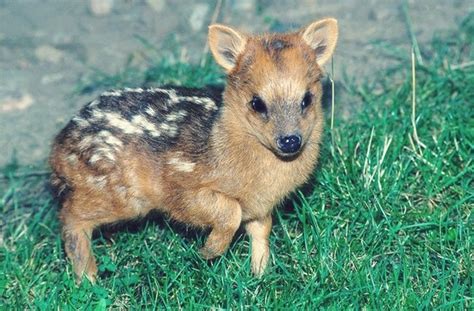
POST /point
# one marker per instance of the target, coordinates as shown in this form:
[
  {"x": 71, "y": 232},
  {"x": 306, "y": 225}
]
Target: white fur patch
[
  {"x": 165, "y": 126},
  {"x": 112, "y": 93},
  {"x": 99, "y": 182},
  {"x": 137, "y": 126},
  {"x": 121, "y": 190},
  {"x": 150, "y": 111},
  {"x": 106, "y": 152},
  {"x": 208, "y": 103},
  {"x": 95, "y": 158},
  {"x": 72, "y": 159},
  {"x": 104, "y": 145},
  {"x": 142, "y": 122},
  {"x": 117, "y": 121},
  {"x": 86, "y": 142},
  {"x": 175, "y": 116},
  {"x": 110, "y": 139},
  {"x": 182, "y": 113},
  {"x": 81, "y": 122},
  {"x": 173, "y": 96},
  {"x": 137, "y": 90},
  {"x": 136, "y": 203},
  {"x": 170, "y": 129},
  {"x": 97, "y": 115},
  {"x": 94, "y": 103},
  {"x": 173, "y": 131},
  {"x": 182, "y": 165}
]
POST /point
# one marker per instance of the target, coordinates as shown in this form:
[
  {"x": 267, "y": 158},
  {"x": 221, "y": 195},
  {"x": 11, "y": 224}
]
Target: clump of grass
[
  {"x": 387, "y": 225},
  {"x": 159, "y": 70}
]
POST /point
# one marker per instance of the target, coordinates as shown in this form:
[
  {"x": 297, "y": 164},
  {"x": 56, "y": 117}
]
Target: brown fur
[{"x": 220, "y": 172}]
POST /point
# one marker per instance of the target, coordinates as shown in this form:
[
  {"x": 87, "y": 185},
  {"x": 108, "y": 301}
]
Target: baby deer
[{"x": 208, "y": 158}]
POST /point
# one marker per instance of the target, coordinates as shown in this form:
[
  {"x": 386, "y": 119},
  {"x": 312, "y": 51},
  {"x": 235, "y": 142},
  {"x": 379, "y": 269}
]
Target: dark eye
[
  {"x": 306, "y": 102},
  {"x": 258, "y": 105}
]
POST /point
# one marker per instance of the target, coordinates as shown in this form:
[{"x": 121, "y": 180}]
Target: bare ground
[{"x": 47, "y": 46}]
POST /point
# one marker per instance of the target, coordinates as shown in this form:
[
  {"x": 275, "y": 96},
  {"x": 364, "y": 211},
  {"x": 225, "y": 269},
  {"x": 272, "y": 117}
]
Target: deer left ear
[
  {"x": 226, "y": 45},
  {"x": 321, "y": 36}
]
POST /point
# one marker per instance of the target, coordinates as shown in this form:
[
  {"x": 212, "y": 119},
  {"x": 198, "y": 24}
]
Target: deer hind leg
[
  {"x": 79, "y": 219},
  {"x": 77, "y": 244},
  {"x": 80, "y": 215}
]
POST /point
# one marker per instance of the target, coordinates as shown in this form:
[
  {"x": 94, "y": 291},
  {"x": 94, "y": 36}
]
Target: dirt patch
[{"x": 46, "y": 46}]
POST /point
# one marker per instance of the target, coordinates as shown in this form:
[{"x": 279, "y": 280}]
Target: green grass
[{"x": 389, "y": 224}]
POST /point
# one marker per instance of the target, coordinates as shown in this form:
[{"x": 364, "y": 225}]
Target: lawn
[{"x": 386, "y": 223}]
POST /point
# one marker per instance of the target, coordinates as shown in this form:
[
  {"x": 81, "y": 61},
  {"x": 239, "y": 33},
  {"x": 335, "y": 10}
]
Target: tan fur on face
[
  {"x": 199, "y": 161},
  {"x": 281, "y": 78}
]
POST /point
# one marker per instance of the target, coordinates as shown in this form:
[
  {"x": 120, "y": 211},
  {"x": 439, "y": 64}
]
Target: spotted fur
[{"x": 205, "y": 157}]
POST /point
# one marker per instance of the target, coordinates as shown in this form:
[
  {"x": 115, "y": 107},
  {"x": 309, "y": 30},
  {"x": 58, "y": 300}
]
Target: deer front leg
[
  {"x": 259, "y": 232},
  {"x": 220, "y": 212}
]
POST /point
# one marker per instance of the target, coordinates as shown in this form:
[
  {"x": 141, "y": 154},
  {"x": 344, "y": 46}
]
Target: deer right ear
[
  {"x": 226, "y": 45},
  {"x": 321, "y": 36}
]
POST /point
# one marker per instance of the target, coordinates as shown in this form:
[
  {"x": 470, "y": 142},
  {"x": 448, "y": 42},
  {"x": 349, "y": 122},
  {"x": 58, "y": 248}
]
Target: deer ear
[
  {"x": 321, "y": 36},
  {"x": 226, "y": 45}
]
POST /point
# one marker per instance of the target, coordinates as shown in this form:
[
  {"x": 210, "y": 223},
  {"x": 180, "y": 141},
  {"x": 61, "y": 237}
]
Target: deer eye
[
  {"x": 306, "y": 102},
  {"x": 258, "y": 105}
]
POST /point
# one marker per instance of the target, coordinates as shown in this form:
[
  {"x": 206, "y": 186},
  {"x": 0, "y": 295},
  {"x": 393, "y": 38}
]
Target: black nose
[{"x": 289, "y": 144}]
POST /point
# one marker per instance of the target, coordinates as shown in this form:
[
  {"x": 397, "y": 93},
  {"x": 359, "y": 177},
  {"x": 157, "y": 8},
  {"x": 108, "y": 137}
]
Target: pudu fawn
[{"x": 208, "y": 158}]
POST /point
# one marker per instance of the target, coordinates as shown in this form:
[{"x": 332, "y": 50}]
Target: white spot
[
  {"x": 106, "y": 152},
  {"x": 173, "y": 96},
  {"x": 150, "y": 111},
  {"x": 182, "y": 165},
  {"x": 112, "y": 93},
  {"x": 102, "y": 152},
  {"x": 81, "y": 122},
  {"x": 208, "y": 103},
  {"x": 103, "y": 145},
  {"x": 142, "y": 122},
  {"x": 182, "y": 113},
  {"x": 75, "y": 134},
  {"x": 85, "y": 142},
  {"x": 94, "y": 103},
  {"x": 137, "y": 90},
  {"x": 72, "y": 159},
  {"x": 97, "y": 114},
  {"x": 173, "y": 131},
  {"x": 110, "y": 139},
  {"x": 174, "y": 116},
  {"x": 165, "y": 126},
  {"x": 99, "y": 182},
  {"x": 121, "y": 190},
  {"x": 170, "y": 129},
  {"x": 138, "y": 124},
  {"x": 119, "y": 122},
  {"x": 136, "y": 203},
  {"x": 95, "y": 158}
]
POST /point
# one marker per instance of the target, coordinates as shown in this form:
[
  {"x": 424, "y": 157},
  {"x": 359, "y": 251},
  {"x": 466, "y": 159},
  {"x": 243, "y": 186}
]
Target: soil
[{"x": 47, "y": 46}]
